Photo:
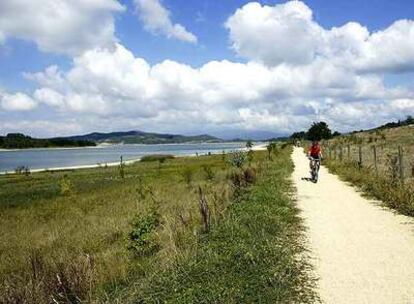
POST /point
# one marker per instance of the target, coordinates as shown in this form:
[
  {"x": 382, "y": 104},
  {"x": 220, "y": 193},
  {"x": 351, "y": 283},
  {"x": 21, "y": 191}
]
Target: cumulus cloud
[
  {"x": 288, "y": 34},
  {"x": 61, "y": 26},
  {"x": 17, "y": 102},
  {"x": 330, "y": 75},
  {"x": 157, "y": 19},
  {"x": 114, "y": 83}
]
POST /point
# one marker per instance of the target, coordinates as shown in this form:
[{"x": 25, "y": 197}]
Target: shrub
[
  {"x": 209, "y": 172},
  {"x": 141, "y": 239},
  {"x": 22, "y": 170},
  {"x": 121, "y": 169},
  {"x": 236, "y": 179},
  {"x": 157, "y": 157},
  {"x": 237, "y": 159},
  {"x": 65, "y": 185},
  {"x": 249, "y": 175},
  {"x": 187, "y": 175}
]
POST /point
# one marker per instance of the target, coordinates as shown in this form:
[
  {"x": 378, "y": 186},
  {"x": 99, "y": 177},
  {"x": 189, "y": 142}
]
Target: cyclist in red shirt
[{"x": 315, "y": 152}]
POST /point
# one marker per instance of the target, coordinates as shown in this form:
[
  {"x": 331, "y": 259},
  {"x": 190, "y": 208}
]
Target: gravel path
[{"x": 362, "y": 253}]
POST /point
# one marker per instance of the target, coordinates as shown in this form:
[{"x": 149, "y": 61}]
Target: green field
[{"x": 93, "y": 236}]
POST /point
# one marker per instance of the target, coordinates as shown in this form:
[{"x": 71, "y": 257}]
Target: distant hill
[
  {"x": 400, "y": 123},
  {"x": 243, "y": 135},
  {"x": 139, "y": 137},
  {"x": 21, "y": 141}
]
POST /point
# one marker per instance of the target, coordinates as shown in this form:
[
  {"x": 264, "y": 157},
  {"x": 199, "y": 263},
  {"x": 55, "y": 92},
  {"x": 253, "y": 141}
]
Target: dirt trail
[{"x": 362, "y": 253}]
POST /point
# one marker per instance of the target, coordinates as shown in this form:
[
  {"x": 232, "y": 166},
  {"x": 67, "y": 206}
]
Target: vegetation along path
[{"x": 362, "y": 252}]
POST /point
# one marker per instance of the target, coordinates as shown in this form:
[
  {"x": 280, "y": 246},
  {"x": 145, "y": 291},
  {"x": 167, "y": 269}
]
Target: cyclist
[{"x": 314, "y": 152}]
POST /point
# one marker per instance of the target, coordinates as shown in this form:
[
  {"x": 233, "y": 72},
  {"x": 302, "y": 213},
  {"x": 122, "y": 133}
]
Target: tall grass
[
  {"x": 252, "y": 255},
  {"x": 95, "y": 236}
]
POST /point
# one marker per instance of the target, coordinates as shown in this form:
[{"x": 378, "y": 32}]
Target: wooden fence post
[
  {"x": 401, "y": 163},
  {"x": 375, "y": 159},
  {"x": 349, "y": 152},
  {"x": 360, "y": 156},
  {"x": 340, "y": 153}
]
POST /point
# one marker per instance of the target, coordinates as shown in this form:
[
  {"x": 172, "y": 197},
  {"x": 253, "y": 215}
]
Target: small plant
[
  {"x": 393, "y": 169},
  {"x": 249, "y": 175},
  {"x": 188, "y": 174},
  {"x": 141, "y": 239},
  {"x": 238, "y": 159},
  {"x": 65, "y": 185},
  {"x": 204, "y": 210},
  {"x": 161, "y": 158},
  {"x": 271, "y": 147},
  {"x": 121, "y": 169},
  {"x": 142, "y": 190},
  {"x": 250, "y": 157},
  {"x": 22, "y": 170},
  {"x": 237, "y": 180},
  {"x": 209, "y": 172}
]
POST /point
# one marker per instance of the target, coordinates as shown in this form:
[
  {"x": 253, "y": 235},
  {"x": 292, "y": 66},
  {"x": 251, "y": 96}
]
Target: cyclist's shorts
[{"x": 315, "y": 156}]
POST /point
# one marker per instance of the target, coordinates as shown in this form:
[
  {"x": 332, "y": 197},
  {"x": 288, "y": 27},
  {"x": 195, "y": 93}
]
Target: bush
[
  {"x": 157, "y": 157},
  {"x": 237, "y": 159},
  {"x": 209, "y": 173},
  {"x": 249, "y": 175},
  {"x": 141, "y": 239},
  {"x": 187, "y": 175}
]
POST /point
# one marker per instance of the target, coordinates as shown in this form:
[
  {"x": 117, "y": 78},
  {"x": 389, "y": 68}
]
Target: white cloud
[
  {"x": 49, "y": 97},
  {"x": 332, "y": 75},
  {"x": 284, "y": 33},
  {"x": 61, "y": 26},
  {"x": 288, "y": 34},
  {"x": 156, "y": 19},
  {"x": 17, "y": 102},
  {"x": 115, "y": 85}
]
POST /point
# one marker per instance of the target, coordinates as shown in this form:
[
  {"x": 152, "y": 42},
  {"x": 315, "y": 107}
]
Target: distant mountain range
[
  {"x": 139, "y": 137},
  {"x": 242, "y": 135}
]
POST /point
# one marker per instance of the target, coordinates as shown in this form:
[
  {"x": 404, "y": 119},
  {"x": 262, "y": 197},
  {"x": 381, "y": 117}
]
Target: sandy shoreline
[{"x": 113, "y": 164}]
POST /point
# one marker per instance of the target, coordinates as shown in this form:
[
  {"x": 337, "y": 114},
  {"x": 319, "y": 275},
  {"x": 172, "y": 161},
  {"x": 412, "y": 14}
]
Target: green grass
[{"x": 67, "y": 235}]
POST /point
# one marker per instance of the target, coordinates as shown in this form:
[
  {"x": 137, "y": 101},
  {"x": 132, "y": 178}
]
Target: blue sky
[{"x": 30, "y": 51}]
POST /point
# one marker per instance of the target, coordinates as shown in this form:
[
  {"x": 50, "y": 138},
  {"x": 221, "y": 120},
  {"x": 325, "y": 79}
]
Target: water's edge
[{"x": 126, "y": 162}]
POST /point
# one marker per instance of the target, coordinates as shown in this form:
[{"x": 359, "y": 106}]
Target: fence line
[{"x": 397, "y": 162}]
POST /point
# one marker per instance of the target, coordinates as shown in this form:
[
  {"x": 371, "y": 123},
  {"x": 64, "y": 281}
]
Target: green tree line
[{"x": 21, "y": 141}]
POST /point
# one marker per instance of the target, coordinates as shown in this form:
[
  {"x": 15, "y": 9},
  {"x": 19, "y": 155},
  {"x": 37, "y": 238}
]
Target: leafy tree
[
  {"x": 298, "y": 135},
  {"x": 318, "y": 131}
]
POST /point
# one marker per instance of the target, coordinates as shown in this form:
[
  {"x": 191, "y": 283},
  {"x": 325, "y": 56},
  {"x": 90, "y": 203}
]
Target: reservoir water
[{"x": 62, "y": 158}]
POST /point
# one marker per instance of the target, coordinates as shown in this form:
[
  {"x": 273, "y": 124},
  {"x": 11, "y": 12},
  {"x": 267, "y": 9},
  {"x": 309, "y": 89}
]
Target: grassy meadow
[
  {"x": 184, "y": 230},
  {"x": 385, "y": 178}
]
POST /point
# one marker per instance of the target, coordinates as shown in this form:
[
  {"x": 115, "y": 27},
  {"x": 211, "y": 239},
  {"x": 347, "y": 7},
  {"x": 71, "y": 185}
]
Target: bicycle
[{"x": 315, "y": 166}]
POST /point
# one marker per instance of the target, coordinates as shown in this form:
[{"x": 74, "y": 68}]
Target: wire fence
[{"x": 394, "y": 161}]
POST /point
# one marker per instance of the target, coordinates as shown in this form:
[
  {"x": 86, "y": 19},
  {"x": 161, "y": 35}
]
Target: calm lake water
[{"x": 53, "y": 158}]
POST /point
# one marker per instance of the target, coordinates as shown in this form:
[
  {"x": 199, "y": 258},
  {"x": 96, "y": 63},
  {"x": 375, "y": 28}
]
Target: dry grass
[
  {"x": 92, "y": 236},
  {"x": 89, "y": 217},
  {"x": 382, "y": 181}
]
